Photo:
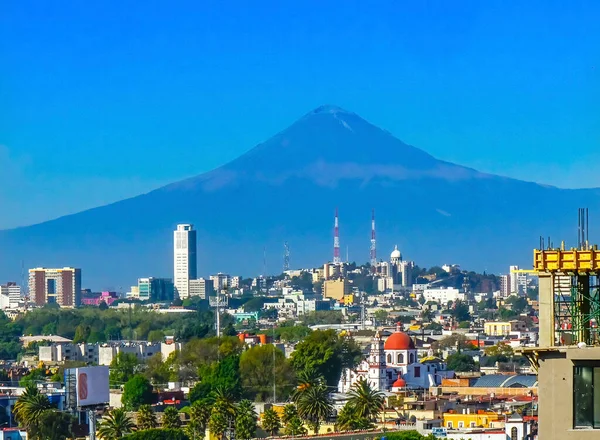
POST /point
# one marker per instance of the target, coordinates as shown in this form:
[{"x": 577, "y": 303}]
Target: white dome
[{"x": 396, "y": 253}]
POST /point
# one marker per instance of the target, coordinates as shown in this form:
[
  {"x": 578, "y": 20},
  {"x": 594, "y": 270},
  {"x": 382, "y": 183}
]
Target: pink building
[{"x": 106, "y": 297}]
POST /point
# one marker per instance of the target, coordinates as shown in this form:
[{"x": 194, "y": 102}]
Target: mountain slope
[{"x": 286, "y": 189}]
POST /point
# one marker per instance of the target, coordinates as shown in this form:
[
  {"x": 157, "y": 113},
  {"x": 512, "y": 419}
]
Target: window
[
  {"x": 417, "y": 371},
  {"x": 389, "y": 358},
  {"x": 514, "y": 434},
  {"x": 400, "y": 358},
  {"x": 586, "y": 396},
  {"x": 411, "y": 358},
  {"x": 449, "y": 425},
  {"x": 472, "y": 425},
  {"x": 461, "y": 425}
]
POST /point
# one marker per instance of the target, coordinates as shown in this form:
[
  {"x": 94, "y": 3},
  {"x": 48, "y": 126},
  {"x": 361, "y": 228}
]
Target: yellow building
[
  {"x": 348, "y": 300},
  {"x": 503, "y": 328},
  {"x": 336, "y": 289},
  {"x": 467, "y": 419}
]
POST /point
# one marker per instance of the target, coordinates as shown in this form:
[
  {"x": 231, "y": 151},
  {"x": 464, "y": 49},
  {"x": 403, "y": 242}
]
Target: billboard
[{"x": 92, "y": 386}]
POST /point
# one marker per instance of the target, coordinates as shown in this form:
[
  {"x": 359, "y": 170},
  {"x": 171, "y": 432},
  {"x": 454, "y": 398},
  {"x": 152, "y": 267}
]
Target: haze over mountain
[{"x": 286, "y": 189}]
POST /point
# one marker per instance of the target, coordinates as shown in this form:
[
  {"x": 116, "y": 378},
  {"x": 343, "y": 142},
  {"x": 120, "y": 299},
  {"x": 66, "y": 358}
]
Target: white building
[
  {"x": 12, "y": 292},
  {"x": 184, "y": 259},
  {"x": 202, "y": 288},
  {"x": 518, "y": 282},
  {"x": 235, "y": 282},
  {"x": 505, "y": 285},
  {"x": 220, "y": 281},
  {"x": 393, "y": 365},
  {"x": 443, "y": 295}
]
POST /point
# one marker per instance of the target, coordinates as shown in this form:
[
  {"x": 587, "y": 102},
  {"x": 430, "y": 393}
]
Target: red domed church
[{"x": 393, "y": 365}]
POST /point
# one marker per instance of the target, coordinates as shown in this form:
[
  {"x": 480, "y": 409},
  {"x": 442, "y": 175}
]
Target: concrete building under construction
[{"x": 568, "y": 356}]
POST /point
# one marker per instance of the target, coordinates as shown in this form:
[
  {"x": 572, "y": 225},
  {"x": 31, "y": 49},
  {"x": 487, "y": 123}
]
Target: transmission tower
[
  {"x": 336, "y": 240},
  {"x": 286, "y": 256},
  {"x": 373, "y": 243}
]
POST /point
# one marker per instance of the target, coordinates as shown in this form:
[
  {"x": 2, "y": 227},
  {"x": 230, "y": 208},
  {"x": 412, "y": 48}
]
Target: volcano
[{"x": 286, "y": 190}]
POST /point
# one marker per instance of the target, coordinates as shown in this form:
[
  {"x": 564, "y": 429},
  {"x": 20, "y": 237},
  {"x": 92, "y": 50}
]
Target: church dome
[
  {"x": 395, "y": 253},
  {"x": 399, "y": 341},
  {"x": 400, "y": 383}
]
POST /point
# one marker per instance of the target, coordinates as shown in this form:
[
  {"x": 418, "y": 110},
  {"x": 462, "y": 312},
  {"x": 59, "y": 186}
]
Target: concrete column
[{"x": 546, "y": 299}]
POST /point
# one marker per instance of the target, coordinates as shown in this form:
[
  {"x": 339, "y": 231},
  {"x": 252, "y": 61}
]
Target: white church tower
[{"x": 377, "y": 367}]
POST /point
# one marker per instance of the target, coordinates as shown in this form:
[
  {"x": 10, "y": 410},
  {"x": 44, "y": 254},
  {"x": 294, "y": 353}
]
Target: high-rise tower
[
  {"x": 336, "y": 240},
  {"x": 184, "y": 259},
  {"x": 373, "y": 243}
]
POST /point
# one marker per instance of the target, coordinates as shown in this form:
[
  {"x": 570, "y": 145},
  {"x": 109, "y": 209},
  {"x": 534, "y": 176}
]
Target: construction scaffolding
[{"x": 569, "y": 295}]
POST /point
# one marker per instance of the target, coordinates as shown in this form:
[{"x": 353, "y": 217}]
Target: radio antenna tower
[
  {"x": 336, "y": 240},
  {"x": 286, "y": 256},
  {"x": 373, "y": 242}
]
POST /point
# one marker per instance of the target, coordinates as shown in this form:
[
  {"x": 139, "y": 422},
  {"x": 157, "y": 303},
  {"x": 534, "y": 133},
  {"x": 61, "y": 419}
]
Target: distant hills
[{"x": 287, "y": 189}]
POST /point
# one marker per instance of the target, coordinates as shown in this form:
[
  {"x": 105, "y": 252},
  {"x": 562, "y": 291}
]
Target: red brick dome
[{"x": 399, "y": 341}]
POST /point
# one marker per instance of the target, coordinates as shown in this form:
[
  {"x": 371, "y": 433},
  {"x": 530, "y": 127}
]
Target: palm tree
[
  {"x": 314, "y": 405},
  {"x": 271, "y": 422},
  {"x": 199, "y": 415},
  {"x": 171, "y": 419},
  {"x": 366, "y": 401},
  {"x": 245, "y": 420},
  {"x": 115, "y": 425},
  {"x": 348, "y": 420},
  {"x": 30, "y": 406},
  {"x": 146, "y": 419},
  {"x": 222, "y": 413}
]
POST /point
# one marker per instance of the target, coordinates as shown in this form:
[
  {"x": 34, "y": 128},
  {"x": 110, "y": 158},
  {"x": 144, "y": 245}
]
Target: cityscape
[{"x": 299, "y": 221}]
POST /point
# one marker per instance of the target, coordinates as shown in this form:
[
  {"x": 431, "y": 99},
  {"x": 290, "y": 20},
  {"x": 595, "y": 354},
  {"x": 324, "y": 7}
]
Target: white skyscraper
[{"x": 184, "y": 259}]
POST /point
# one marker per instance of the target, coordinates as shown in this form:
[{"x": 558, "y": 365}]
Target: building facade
[
  {"x": 12, "y": 292},
  {"x": 55, "y": 286},
  {"x": 336, "y": 289},
  {"x": 156, "y": 289},
  {"x": 202, "y": 288},
  {"x": 393, "y": 365},
  {"x": 184, "y": 259}
]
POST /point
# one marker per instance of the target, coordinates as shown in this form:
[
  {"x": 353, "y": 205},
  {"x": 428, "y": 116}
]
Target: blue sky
[{"x": 106, "y": 100}]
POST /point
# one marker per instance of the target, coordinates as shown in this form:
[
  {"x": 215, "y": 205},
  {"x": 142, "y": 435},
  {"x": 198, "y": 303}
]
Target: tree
[
  {"x": 146, "y": 419},
  {"x": 381, "y": 316},
  {"x": 30, "y": 405},
  {"x": 327, "y": 353},
  {"x": 314, "y": 405},
  {"x": 199, "y": 415},
  {"x": 115, "y": 425},
  {"x": 245, "y": 420},
  {"x": 52, "y": 425},
  {"x": 224, "y": 375},
  {"x": 366, "y": 401},
  {"x": 271, "y": 422},
  {"x": 159, "y": 434},
  {"x": 137, "y": 391},
  {"x": 122, "y": 368},
  {"x": 461, "y": 363},
  {"x": 82, "y": 333},
  {"x": 262, "y": 366},
  {"x": 349, "y": 420},
  {"x": 171, "y": 419},
  {"x": 460, "y": 311},
  {"x": 222, "y": 413}
]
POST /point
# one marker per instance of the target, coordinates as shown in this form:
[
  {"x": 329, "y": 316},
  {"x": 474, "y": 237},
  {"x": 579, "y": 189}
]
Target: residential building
[
  {"x": 518, "y": 282},
  {"x": 142, "y": 350},
  {"x": 220, "y": 281},
  {"x": 336, "y": 289},
  {"x": 13, "y": 294},
  {"x": 55, "y": 286},
  {"x": 503, "y": 328},
  {"x": 235, "y": 282},
  {"x": 443, "y": 295},
  {"x": 156, "y": 289},
  {"x": 184, "y": 259},
  {"x": 466, "y": 418},
  {"x": 202, "y": 288},
  {"x": 105, "y": 297},
  {"x": 505, "y": 285}
]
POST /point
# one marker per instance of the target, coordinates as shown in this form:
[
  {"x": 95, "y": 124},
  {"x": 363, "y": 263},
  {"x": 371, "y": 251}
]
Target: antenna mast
[
  {"x": 286, "y": 256},
  {"x": 336, "y": 240},
  {"x": 373, "y": 243}
]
